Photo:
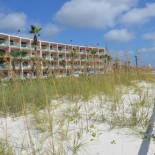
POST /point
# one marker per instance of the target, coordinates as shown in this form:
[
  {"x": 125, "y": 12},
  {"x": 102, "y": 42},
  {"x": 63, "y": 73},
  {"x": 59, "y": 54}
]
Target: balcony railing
[
  {"x": 28, "y": 47},
  {"x": 62, "y": 50},
  {"x": 53, "y": 49},
  {"x": 61, "y": 59},
  {"x": 3, "y": 66},
  {"x": 13, "y": 44},
  {"x": 56, "y": 67},
  {"x": 16, "y": 67},
  {"x": 28, "y": 57},
  {"x": 83, "y": 60},
  {"x": 47, "y": 58},
  {"x": 4, "y": 43},
  {"x": 33, "y": 47},
  {"x": 82, "y": 52},
  {"x": 45, "y": 49},
  {"x": 26, "y": 66}
]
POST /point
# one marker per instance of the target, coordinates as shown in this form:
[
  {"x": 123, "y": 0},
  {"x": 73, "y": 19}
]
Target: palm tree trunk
[
  {"x": 21, "y": 68},
  {"x": 94, "y": 63},
  {"x": 13, "y": 68}
]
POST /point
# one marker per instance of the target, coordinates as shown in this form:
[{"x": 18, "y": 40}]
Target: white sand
[{"x": 106, "y": 142}]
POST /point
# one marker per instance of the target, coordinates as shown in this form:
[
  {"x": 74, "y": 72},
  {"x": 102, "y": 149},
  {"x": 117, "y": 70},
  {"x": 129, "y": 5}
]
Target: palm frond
[{"x": 93, "y": 52}]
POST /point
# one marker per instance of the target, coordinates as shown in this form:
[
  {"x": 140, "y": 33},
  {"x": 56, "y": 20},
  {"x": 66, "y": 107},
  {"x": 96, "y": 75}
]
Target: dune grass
[
  {"x": 75, "y": 107},
  {"x": 5, "y": 148},
  {"x": 17, "y": 95}
]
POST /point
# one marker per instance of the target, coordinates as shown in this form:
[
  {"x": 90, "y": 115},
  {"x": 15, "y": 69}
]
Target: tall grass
[
  {"x": 36, "y": 97},
  {"x": 36, "y": 93}
]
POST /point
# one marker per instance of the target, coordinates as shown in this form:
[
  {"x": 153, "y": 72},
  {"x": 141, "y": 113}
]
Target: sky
[{"x": 125, "y": 27}]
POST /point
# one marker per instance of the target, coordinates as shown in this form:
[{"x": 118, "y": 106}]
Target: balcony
[
  {"x": 62, "y": 67},
  {"x": 77, "y": 59},
  {"x": 45, "y": 67},
  {"x": 4, "y": 43},
  {"x": 77, "y": 66},
  {"x": 46, "y": 49},
  {"x": 68, "y": 66},
  {"x": 56, "y": 67},
  {"x": 51, "y": 67},
  {"x": 62, "y": 50},
  {"x": 27, "y": 57},
  {"x": 83, "y": 60},
  {"x": 101, "y": 53},
  {"x": 68, "y": 51},
  {"x": 53, "y": 49},
  {"x": 14, "y": 44},
  {"x": 55, "y": 59},
  {"x": 3, "y": 66},
  {"x": 69, "y": 59},
  {"x": 26, "y": 66},
  {"x": 61, "y": 59},
  {"x": 17, "y": 67},
  {"x": 24, "y": 46},
  {"x": 82, "y": 52},
  {"x": 83, "y": 67},
  {"x": 33, "y": 47},
  {"x": 48, "y": 58}
]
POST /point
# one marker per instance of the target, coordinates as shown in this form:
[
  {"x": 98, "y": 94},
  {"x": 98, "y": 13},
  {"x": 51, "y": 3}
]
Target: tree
[
  {"x": 93, "y": 52},
  {"x": 73, "y": 54},
  {"x": 18, "y": 56},
  {"x": 2, "y": 53},
  {"x": 3, "y": 60},
  {"x": 63, "y": 64},
  {"x": 35, "y": 30},
  {"x": 107, "y": 59}
]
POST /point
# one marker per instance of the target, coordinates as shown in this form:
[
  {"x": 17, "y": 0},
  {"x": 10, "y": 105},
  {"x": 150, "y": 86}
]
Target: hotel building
[{"x": 54, "y": 58}]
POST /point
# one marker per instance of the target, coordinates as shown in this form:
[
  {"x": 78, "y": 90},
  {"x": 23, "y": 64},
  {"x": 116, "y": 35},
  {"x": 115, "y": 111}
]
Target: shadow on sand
[{"x": 144, "y": 148}]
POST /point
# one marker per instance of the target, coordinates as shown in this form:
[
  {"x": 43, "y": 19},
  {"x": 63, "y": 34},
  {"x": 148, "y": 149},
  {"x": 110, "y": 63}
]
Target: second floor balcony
[
  {"x": 4, "y": 43},
  {"x": 4, "y": 66}
]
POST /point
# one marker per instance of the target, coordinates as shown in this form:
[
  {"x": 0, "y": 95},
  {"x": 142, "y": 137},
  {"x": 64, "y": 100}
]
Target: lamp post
[
  {"x": 137, "y": 58},
  {"x": 136, "y": 61}
]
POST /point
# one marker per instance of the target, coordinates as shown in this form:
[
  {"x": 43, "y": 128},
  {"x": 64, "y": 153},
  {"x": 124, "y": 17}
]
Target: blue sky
[{"x": 122, "y": 25}]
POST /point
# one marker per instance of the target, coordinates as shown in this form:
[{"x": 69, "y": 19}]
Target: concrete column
[
  {"x": 98, "y": 59},
  {"x": 79, "y": 58},
  {"x": 40, "y": 54},
  {"x": 21, "y": 71},
  {"x": 10, "y": 65},
  {"x": 58, "y": 57}
]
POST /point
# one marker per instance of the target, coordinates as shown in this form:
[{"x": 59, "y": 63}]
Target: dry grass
[{"x": 76, "y": 107}]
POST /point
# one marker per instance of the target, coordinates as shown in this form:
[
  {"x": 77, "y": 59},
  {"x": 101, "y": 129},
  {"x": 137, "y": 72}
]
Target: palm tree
[
  {"x": 3, "y": 59},
  {"x": 47, "y": 63},
  {"x": 2, "y": 56},
  {"x": 63, "y": 63},
  {"x": 106, "y": 61},
  {"x": 18, "y": 55},
  {"x": 2, "y": 53},
  {"x": 93, "y": 52},
  {"x": 35, "y": 31},
  {"x": 34, "y": 68},
  {"x": 73, "y": 54}
]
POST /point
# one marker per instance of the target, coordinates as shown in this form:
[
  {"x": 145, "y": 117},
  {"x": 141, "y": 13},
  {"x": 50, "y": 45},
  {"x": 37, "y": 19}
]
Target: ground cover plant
[{"x": 61, "y": 115}]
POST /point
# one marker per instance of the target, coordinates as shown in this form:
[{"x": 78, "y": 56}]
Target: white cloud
[
  {"x": 119, "y": 35},
  {"x": 139, "y": 15},
  {"x": 93, "y": 13},
  {"x": 50, "y": 30},
  {"x": 148, "y": 49},
  {"x": 12, "y": 21},
  {"x": 149, "y": 36}
]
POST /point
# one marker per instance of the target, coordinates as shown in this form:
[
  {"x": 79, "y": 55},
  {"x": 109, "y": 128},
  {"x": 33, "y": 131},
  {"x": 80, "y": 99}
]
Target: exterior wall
[{"x": 53, "y": 58}]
